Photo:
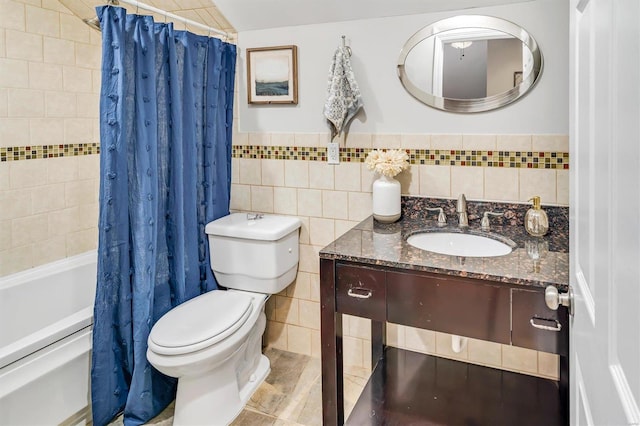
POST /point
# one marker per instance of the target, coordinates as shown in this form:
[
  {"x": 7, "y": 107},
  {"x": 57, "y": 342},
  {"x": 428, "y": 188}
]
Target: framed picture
[
  {"x": 272, "y": 75},
  {"x": 517, "y": 78}
]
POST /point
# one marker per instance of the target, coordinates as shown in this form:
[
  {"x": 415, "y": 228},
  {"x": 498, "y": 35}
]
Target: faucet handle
[
  {"x": 484, "y": 224},
  {"x": 442, "y": 219}
]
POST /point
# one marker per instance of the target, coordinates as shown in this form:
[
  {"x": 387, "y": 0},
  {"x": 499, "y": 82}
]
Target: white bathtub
[{"x": 46, "y": 314}]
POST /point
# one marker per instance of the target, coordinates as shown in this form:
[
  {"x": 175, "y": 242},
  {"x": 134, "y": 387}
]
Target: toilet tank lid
[{"x": 243, "y": 225}]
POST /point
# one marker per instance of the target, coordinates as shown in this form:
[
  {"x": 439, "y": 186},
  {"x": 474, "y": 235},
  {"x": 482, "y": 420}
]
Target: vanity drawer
[
  {"x": 535, "y": 326},
  {"x": 361, "y": 291},
  {"x": 465, "y": 307}
]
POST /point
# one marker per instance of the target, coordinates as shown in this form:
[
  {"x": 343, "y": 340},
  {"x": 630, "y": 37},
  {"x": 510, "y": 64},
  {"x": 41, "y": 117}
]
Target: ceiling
[{"x": 246, "y": 15}]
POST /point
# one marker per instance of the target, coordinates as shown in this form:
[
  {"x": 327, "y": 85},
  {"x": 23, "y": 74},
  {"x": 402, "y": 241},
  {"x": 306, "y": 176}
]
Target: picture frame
[
  {"x": 272, "y": 75},
  {"x": 517, "y": 78}
]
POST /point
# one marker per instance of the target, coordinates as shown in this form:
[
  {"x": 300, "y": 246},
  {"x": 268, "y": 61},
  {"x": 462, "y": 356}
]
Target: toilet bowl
[{"x": 212, "y": 343}]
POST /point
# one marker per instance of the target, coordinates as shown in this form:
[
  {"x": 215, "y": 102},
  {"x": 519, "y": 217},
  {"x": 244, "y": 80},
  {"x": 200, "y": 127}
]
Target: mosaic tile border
[
  {"x": 431, "y": 157},
  {"x": 33, "y": 152},
  {"x": 437, "y": 157}
]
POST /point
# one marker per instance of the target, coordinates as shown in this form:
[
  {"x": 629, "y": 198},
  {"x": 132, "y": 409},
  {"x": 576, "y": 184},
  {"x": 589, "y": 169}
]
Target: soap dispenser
[{"x": 536, "y": 221}]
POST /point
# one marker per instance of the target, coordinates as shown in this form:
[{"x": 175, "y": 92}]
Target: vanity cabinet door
[
  {"x": 470, "y": 308},
  {"x": 361, "y": 291},
  {"x": 535, "y": 326}
]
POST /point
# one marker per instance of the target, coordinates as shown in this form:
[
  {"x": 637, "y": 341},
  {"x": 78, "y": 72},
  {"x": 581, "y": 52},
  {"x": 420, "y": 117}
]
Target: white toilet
[{"x": 212, "y": 343}]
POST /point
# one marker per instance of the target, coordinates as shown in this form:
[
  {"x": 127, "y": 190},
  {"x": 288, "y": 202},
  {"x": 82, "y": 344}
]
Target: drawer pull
[
  {"x": 557, "y": 327},
  {"x": 359, "y": 293}
]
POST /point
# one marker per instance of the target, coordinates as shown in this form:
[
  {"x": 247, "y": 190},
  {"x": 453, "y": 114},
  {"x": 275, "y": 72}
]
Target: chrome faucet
[
  {"x": 485, "y": 225},
  {"x": 461, "y": 209},
  {"x": 442, "y": 219}
]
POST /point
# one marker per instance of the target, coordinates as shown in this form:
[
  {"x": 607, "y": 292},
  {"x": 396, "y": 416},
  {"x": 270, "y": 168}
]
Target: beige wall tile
[
  {"x": 352, "y": 351},
  {"x": 513, "y": 142},
  {"x": 347, "y": 176},
  {"x": 410, "y": 181},
  {"x": 89, "y": 167},
  {"x": 395, "y": 335},
  {"x": 262, "y": 199},
  {"x": 446, "y": 142},
  {"x": 88, "y": 106},
  {"x": 12, "y": 15},
  {"x": 540, "y": 182},
  {"x": 444, "y": 348},
  {"x": 343, "y": 226},
  {"x": 309, "y": 259},
  {"x": 358, "y": 140},
  {"x": 45, "y": 76},
  {"x": 298, "y": 340},
  {"x": 58, "y": 51},
  {"x": 562, "y": 190},
  {"x": 82, "y": 241},
  {"x": 334, "y": 204},
  {"x": 28, "y": 229},
  {"x": 282, "y": 139},
  {"x": 479, "y": 142},
  {"x": 14, "y": 73},
  {"x": 316, "y": 348},
  {"x": 285, "y": 201},
  {"x": 296, "y": 173},
  {"x": 5, "y": 235},
  {"x": 360, "y": 206},
  {"x": 310, "y": 202},
  {"x": 26, "y": 103},
  {"x": 15, "y": 204},
  {"x": 80, "y": 192},
  {"x": 552, "y": 143},
  {"x": 4, "y": 176},
  {"x": 501, "y": 184},
  {"x": 301, "y": 287},
  {"x": 62, "y": 169},
  {"x": 47, "y": 198},
  {"x": 262, "y": 139},
  {"x": 14, "y": 132},
  {"x": 304, "y": 229},
  {"x": 88, "y": 215},
  {"x": 78, "y": 130},
  {"x": 43, "y": 21},
  {"x": 250, "y": 171},
  {"x": 20, "y": 45},
  {"x": 367, "y": 178},
  {"x": 235, "y": 170},
  {"x": 55, "y": 5},
  {"x": 270, "y": 308},
  {"x": 418, "y": 141},
  {"x": 321, "y": 231},
  {"x": 468, "y": 181},
  {"x": 72, "y": 28},
  {"x": 309, "y": 314},
  {"x": 314, "y": 287},
  {"x": 519, "y": 359},
  {"x": 87, "y": 55},
  {"x": 77, "y": 79},
  {"x": 240, "y": 197},
  {"x": 549, "y": 365},
  {"x": 64, "y": 222},
  {"x": 277, "y": 335},
  {"x": 383, "y": 141},
  {"x": 3, "y": 44},
  {"x": 484, "y": 352},
  {"x": 321, "y": 175},
  {"x": 16, "y": 259},
  {"x": 286, "y": 309},
  {"x": 238, "y": 137},
  {"x": 49, "y": 250},
  {"x": 358, "y": 327},
  {"x": 26, "y": 174},
  {"x": 60, "y": 104},
  {"x": 435, "y": 181},
  {"x": 307, "y": 139},
  {"x": 419, "y": 340},
  {"x": 272, "y": 172},
  {"x": 4, "y": 103}
]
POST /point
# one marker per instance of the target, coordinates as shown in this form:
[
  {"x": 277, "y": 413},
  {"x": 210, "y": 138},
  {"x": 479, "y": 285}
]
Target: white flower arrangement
[{"x": 388, "y": 163}]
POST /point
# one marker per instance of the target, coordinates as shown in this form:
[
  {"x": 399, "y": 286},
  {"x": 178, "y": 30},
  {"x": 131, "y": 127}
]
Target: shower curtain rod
[{"x": 174, "y": 16}]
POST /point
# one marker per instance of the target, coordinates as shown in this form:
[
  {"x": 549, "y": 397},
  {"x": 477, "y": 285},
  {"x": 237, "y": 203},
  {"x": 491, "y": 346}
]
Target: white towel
[{"x": 343, "y": 94}]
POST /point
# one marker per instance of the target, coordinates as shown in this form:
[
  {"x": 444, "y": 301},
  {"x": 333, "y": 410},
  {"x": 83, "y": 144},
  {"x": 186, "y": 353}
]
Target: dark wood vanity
[{"x": 440, "y": 293}]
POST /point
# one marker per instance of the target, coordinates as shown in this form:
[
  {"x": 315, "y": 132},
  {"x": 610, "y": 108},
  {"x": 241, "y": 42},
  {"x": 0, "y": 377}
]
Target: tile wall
[
  {"x": 286, "y": 174},
  {"x": 49, "y": 86}
]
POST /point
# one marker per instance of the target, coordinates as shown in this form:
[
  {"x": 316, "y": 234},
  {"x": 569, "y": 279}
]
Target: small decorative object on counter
[
  {"x": 536, "y": 221},
  {"x": 386, "y": 189}
]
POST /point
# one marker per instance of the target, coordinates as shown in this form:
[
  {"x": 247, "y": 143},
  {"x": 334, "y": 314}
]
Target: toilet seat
[{"x": 200, "y": 322}]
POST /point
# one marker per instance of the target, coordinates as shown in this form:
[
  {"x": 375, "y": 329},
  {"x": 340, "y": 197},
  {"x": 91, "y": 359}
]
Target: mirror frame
[{"x": 477, "y": 104}]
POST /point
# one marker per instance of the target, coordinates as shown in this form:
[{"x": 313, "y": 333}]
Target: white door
[{"x": 605, "y": 212}]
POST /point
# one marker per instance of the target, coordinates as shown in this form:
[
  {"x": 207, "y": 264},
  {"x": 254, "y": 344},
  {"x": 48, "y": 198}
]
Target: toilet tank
[{"x": 258, "y": 254}]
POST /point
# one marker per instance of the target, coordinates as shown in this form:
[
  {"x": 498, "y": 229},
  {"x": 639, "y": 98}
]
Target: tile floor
[{"x": 290, "y": 396}]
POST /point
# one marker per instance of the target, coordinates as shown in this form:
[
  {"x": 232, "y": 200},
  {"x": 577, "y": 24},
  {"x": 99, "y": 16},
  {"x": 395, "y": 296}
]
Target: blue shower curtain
[{"x": 166, "y": 111}]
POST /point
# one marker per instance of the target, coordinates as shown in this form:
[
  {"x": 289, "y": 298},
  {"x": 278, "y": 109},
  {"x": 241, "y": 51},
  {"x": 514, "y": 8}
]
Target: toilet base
[{"x": 200, "y": 403}]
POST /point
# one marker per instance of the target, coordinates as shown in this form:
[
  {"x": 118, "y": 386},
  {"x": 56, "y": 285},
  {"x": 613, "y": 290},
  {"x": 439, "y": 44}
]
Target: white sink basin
[{"x": 454, "y": 244}]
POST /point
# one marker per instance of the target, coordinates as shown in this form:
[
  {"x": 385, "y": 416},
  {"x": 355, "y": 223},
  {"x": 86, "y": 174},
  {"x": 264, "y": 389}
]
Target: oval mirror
[{"x": 470, "y": 63}]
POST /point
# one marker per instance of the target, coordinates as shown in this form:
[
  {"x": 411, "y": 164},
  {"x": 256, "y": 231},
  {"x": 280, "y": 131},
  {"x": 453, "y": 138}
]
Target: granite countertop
[{"x": 536, "y": 261}]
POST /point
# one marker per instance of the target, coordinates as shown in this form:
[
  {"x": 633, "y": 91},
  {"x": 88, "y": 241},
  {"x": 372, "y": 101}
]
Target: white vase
[{"x": 386, "y": 199}]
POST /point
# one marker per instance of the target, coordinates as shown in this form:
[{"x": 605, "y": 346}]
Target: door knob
[{"x": 553, "y": 299}]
